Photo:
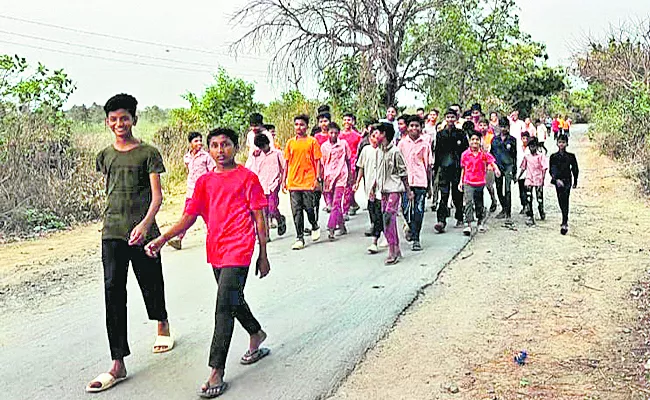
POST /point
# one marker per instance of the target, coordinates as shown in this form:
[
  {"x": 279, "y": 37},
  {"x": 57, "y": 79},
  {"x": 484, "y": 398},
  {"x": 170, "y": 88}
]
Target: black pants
[
  {"x": 539, "y": 195},
  {"x": 230, "y": 305},
  {"x": 448, "y": 179},
  {"x": 116, "y": 255},
  {"x": 376, "y": 217},
  {"x": 563, "y": 195},
  {"x": 414, "y": 213},
  {"x": 303, "y": 201},
  {"x": 522, "y": 192},
  {"x": 504, "y": 189},
  {"x": 318, "y": 195},
  {"x": 541, "y": 145}
]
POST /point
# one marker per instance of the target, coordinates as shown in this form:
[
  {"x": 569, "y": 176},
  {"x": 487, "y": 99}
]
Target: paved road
[{"x": 323, "y": 307}]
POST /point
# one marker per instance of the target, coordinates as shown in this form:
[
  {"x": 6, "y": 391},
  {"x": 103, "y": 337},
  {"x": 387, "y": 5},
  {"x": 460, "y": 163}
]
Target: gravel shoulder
[{"x": 577, "y": 304}]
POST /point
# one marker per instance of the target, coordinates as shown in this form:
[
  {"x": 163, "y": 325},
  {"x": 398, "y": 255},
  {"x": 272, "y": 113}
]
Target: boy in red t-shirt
[{"x": 231, "y": 201}]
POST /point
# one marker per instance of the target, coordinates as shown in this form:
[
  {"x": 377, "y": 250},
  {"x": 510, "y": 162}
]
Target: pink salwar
[
  {"x": 389, "y": 207},
  {"x": 335, "y": 198}
]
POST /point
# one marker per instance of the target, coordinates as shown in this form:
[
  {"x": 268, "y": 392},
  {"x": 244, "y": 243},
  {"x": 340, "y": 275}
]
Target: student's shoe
[
  {"x": 542, "y": 216},
  {"x": 482, "y": 228},
  {"x": 307, "y": 231},
  {"x": 368, "y": 232},
  {"x": 299, "y": 245},
  {"x": 175, "y": 243},
  {"x": 373, "y": 249},
  {"x": 467, "y": 231},
  {"x": 354, "y": 210},
  {"x": 282, "y": 226},
  {"x": 383, "y": 243},
  {"x": 440, "y": 227},
  {"x": 315, "y": 234},
  {"x": 459, "y": 224},
  {"x": 493, "y": 207},
  {"x": 416, "y": 246},
  {"x": 407, "y": 232},
  {"x": 330, "y": 234},
  {"x": 564, "y": 230},
  {"x": 501, "y": 215},
  {"x": 530, "y": 222},
  {"x": 346, "y": 218}
]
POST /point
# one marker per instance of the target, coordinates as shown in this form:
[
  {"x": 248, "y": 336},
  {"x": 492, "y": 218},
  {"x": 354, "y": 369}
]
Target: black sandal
[
  {"x": 211, "y": 392},
  {"x": 253, "y": 357}
]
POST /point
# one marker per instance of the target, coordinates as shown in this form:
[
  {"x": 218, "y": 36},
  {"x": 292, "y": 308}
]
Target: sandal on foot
[
  {"x": 392, "y": 260},
  {"x": 107, "y": 380},
  {"x": 253, "y": 357},
  {"x": 167, "y": 342},
  {"x": 210, "y": 392}
]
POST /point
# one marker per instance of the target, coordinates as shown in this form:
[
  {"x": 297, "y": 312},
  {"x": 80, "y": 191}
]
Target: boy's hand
[
  {"x": 355, "y": 187},
  {"x": 559, "y": 183},
  {"x": 460, "y": 187},
  {"x": 429, "y": 193},
  {"x": 575, "y": 185},
  {"x": 497, "y": 172},
  {"x": 410, "y": 195},
  {"x": 152, "y": 249},
  {"x": 284, "y": 188},
  {"x": 372, "y": 196},
  {"x": 262, "y": 267},
  {"x": 138, "y": 234}
]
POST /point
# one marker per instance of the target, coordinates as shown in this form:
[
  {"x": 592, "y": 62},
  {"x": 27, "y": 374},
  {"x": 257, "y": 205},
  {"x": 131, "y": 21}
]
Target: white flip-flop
[
  {"x": 163, "y": 341},
  {"x": 107, "y": 380}
]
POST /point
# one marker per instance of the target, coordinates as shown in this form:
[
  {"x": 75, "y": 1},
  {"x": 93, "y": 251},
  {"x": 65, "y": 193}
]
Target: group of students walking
[{"x": 400, "y": 161}]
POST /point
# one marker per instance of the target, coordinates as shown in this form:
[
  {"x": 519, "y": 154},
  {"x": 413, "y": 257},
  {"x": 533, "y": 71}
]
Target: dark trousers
[
  {"x": 116, "y": 256},
  {"x": 317, "y": 197},
  {"x": 474, "y": 203},
  {"x": 414, "y": 211},
  {"x": 504, "y": 189},
  {"x": 539, "y": 195},
  {"x": 448, "y": 179},
  {"x": 563, "y": 195},
  {"x": 376, "y": 217},
  {"x": 303, "y": 201},
  {"x": 522, "y": 192},
  {"x": 230, "y": 305}
]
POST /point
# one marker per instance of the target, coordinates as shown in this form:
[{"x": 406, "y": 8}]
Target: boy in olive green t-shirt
[{"x": 132, "y": 172}]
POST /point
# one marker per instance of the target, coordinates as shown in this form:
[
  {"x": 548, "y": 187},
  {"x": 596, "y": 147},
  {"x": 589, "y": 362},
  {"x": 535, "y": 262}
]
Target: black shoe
[
  {"x": 416, "y": 246},
  {"x": 501, "y": 215},
  {"x": 368, "y": 233},
  {"x": 307, "y": 231},
  {"x": 564, "y": 230},
  {"x": 493, "y": 207},
  {"x": 542, "y": 216},
  {"x": 282, "y": 226}
]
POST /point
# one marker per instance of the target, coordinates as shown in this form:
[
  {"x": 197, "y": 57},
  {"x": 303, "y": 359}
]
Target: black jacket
[
  {"x": 450, "y": 145},
  {"x": 504, "y": 155},
  {"x": 564, "y": 167}
]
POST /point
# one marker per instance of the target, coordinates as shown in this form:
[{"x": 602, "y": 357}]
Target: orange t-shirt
[{"x": 302, "y": 155}]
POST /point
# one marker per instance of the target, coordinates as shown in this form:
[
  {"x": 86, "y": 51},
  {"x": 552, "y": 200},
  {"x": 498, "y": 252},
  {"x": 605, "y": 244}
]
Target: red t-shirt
[
  {"x": 353, "y": 138},
  {"x": 225, "y": 201}
]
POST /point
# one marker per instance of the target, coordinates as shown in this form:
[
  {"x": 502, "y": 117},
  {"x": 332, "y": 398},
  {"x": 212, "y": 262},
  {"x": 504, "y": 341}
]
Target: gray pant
[{"x": 473, "y": 199}]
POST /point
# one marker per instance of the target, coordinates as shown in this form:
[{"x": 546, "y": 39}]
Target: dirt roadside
[{"x": 577, "y": 304}]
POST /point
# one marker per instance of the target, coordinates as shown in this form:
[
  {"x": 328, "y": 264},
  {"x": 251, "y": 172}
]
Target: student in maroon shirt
[{"x": 231, "y": 201}]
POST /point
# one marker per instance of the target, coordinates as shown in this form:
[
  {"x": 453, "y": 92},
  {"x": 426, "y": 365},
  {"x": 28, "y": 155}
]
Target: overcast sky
[{"x": 205, "y": 25}]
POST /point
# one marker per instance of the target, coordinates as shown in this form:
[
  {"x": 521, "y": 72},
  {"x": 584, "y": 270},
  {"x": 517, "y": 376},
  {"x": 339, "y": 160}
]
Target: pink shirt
[
  {"x": 321, "y": 137},
  {"x": 268, "y": 167},
  {"x": 536, "y": 166},
  {"x": 531, "y": 129},
  {"x": 197, "y": 165},
  {"x": 418, "y": 157},
  {"x": 475, "y": 166},
  {"x": 335, "y": 164},
  {"x": 250, "y": 141}
]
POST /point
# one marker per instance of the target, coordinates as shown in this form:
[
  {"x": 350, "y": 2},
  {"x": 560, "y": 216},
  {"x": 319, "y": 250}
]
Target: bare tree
[{"x": 316, "y": 33}]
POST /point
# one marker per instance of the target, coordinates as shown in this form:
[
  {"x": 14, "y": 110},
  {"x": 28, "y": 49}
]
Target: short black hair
[
  {"x": 504, "y": 122},
  {"x": 563, "y": 137},
  {"x": 435, "y": 110},
  {"x": 349, "y": 115},
  {"x": 121, "y": 101},
  {"x": 193, "y": 135},
  {"x": 468, "y": 126},
  {"x": 451, "y": 111},
  {"x": 325, "y": 115},
  {"x": 476, "y": 107},
  {"x": 533, "y": 142},
  {"x": 474, "y": 133},
  {"x": 370, "y": 122},
  {"x": 269, "y": 127},
  {"x": 256, "y": 119},
  {"x": 261, "y": 140},
  {"x": 414, "y": 118},
  {"x": 388, "y": 130},
  {"x": 467, "y": 113},
  {"x": 525, "y": 134},
  {"x": 483, "y": 120},
  {"x": 404, "y": 117},
  {"x": 334, "y": 125},
  {"x": 302, "y": 117},
  {"x": 323, "y": 108},
  {"x": 231, "y": 134},
  {"x": 420, "y": 109}
]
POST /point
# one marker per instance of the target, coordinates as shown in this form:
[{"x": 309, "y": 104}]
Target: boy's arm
[
  {"x": 522, "y": 168},
  {"x": 262, "y": 267},
  {"x": 153, "y": 248},
  {"x": 462, "y": 178},
  {"x": 139, "y": 233},
  {"x": 359, "y": 178},
  {"x": 575, "y": 170}
]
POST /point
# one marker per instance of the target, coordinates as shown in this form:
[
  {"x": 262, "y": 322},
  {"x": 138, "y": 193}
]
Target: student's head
[
  {"x": 300, "y": 124},
  {"x": 414, "y": 126},
  {"x": 333, "y": 129},
  {"x": 420, "y": 112},
  {"x": 348, "y": 121},
  {"x": 372, "y": 136},
  {"x": 515, "y": 114},
  {"x": 223, "y": 144},
  {"x": 504, "y": 126},
  {"x": 256, "y": 122},
  {"x": 324, "y": 120},
  {"x": 494, "y": 117},
  {"x": 562, "y": 142},
  {"x": 262, "y": 142},
  {"x": 432, "y": 118},
  {"x": 402, "y": 123},
  {"x": 468, "y": 127},
  {"x": 476, "y": 111},
  {"x": 391, "y": 113},
  {"x": 528, "y": 121},
  {"x": 325, "y": 108},
  {"x": 467, "y": 114},
  {"x": 451, "y": 116},
  {"x": 483, "y": 125},
  {"x": 385, "y": 133},
  {"x": 457, "y": 109},
  {"x": 532, "y": 145},
  {"x": 538, "y": 121},
  {"x": 196, "y": 141},
  {"x": 525, "y": 137},
  {"x": 474, "y": 140},
  {"x": 270, "y": 128},
  {"x": 121, "y": 114}
]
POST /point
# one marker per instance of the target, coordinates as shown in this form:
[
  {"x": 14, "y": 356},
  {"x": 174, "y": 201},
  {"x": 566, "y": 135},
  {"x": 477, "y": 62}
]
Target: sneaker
[
  {"x": 542, "y": 216},
  {"x": 508, "y": 222},
  {"x": 564, "y": 230},
  {"x": 416, "y": 246},
  {"x": 459, "y": 224},
  {"x": 315, "y": 234},
  {"x": 439, "y": 227},
  {"x": 383, "y": 243},
  {"x": 493, "y": 207},
  {"x": 501, "y": 215},
  {"x": 175, "y": 243},
  {"x": 354, "y": 209},
  {"x": 346, "y": 217},
  {"x": 368, "y": 232},
  {"x": 467, "y": 231},
  {"x": 482, "y": 228},
  {"x": 530, "y": 221},
  {"x": 373, "y": 249},
  {"x": 282, "y": 226},
  {"x": 299, "y": 245}
]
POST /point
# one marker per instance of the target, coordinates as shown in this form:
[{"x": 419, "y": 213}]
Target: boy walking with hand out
[
  {"x": 504, "y": 150},
  {"x": 474, "y": 163},
  {"x": 367, "y": 171},
  {"x": 336, "y": 175},
  {"x": 417, "y": 155},
  {"x": 564, "y": 174},
  {"x": 534, "y": 165},
  {"x": 132, "y": 171},
  {"x": 231, "y": 201}
]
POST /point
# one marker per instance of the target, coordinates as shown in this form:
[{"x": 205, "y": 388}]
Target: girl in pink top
[
  {"x": 336, "y": 174},
  {"x": 534, "y": 165}
]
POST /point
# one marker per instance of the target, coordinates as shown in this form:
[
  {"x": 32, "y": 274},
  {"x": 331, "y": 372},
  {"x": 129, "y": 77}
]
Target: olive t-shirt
[{"x": 128, "y": 189}]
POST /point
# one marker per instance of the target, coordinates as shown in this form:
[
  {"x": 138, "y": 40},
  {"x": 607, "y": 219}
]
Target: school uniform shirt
[
  {"x": 250, "y": 140},
  {"x": 321, "y": 137},
  {"x": 450, "y": 145},
  {"x": 225, "y": 200},
  {"x": 391, "y": 168},
  {"x": 504, "y": 151},
  {"x": 532, "y": 130},
  {"x": 523, "y": 152},
  {"x": 268, "y": 167},
  {"x": 542, "y": 133},
  {"x": 335, "y": 164},
  {"x": 418, "y": 158},
  {"x": 475, "y": 165},
  {"x": 369, "y": 160},
  {"x": 555, "y": 126},
  {"x": 564, "y": 167},
  {"x": 536, "y": 166},
  {"x": 353, "y": 138},
  {"x": 517, "y": 127},
  {"x": 197, "y": 165},
  {"x": 302, "y": 155}
]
